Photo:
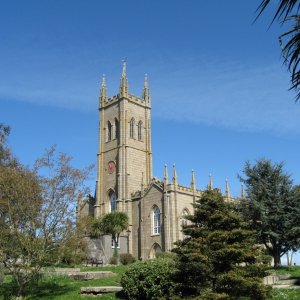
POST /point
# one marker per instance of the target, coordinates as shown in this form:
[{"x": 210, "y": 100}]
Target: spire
[
  {"x": 124, "y": 81},
  {"x": 193, "y": 181},
  {"x": 243, "y": 194},
  {"x": 124, "y": 69},
  {"x": 174, "y": 178},
  {"x": 166, "y": 177},
  {"x": 210, "y": 185},
  {"x": 103, "y": 90},
  {"x": 146, "y": 91},
  {"x": 227, "y": 191}
]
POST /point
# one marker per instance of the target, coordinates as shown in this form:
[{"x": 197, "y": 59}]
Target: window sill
[{"x": 155, "y": 234}]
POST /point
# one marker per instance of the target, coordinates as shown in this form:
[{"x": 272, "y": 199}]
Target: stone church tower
[
  {"x": 124, "y": 157},
  {"x": 156, "y": 207}
]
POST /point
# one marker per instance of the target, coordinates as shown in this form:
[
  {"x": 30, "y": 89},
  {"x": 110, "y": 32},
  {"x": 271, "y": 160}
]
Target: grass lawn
[
  {"x": 63, "y": 288},
  {"x": 286, "y": 294}
]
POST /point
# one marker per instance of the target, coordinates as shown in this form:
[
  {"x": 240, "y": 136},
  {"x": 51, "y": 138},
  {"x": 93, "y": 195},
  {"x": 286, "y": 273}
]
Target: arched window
[
  {"x": 113, "y": 201},
  {"x": 117, "y": 129},
  {"x": 156, "y": 220},
  {"x": 109, "y": 129},
  {"x": 131, "y": 128},
  {"x": 140, "y": 130}
]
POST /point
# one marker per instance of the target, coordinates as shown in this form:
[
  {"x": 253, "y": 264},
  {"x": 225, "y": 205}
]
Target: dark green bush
[
  {"x": 126, "y": 258},
  {"x": 150, "y": 279}
]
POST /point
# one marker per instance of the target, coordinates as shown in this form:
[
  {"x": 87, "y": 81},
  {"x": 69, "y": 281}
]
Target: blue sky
[{"x": 219, "y": 88}]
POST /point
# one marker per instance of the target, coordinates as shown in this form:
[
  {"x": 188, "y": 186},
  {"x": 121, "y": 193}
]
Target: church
[{"x": 156, "y": 207}]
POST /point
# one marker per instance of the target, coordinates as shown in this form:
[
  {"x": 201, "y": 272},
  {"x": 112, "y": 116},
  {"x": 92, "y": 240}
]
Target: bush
[
  {"x": 169, "y": 255},
  {"x": 113, "y": 260},
  {"x": 126, "y": 258},
  {"x": 150, "y": 279}
]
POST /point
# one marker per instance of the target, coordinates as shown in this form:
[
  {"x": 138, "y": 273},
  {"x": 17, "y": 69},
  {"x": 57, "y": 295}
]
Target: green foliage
[
  {"x": 288, "y": 12},
  {"x": 272, "y": 207},
  {"x": 150, "y": 279},
  {"x": 1, "y": 273},
  {"x": 167, "y": 255},
  {"x": 126, "y": 258},
  {"x": 113, "y": 223},
  {"x": 219, "y": 259},
  {"x": 37, "y": 223}
]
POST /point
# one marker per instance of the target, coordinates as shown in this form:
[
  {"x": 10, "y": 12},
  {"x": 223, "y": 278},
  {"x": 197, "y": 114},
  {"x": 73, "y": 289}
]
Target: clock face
[{"x": 111, "y": 167}]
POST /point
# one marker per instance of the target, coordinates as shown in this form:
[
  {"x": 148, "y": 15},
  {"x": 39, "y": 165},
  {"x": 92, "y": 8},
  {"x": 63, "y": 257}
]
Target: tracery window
[
  {"x": 156, "y": 220},
  {"x": 113, "y": 201},
  {"x": 131, "y": 128},
  {"x": 140, "y": 130}
]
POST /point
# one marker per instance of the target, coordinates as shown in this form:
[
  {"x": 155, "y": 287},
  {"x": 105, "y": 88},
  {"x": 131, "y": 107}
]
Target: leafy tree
[
  {"x": 220, "y": 258},
  {"x": 272, "y": 207},
  {"x": 113, "y": 223},
  {"x": 37, "y": 211},
  {"x": 6, "y": 157},
  {"x": 288, "y": 12}
]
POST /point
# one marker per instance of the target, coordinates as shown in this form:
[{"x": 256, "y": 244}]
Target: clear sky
[{"x": 219, "y": 88}]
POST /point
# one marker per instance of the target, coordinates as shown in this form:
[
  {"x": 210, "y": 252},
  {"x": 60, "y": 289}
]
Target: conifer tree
[
  {"x": 219, "y": 259},
  {"x": 272, "y": 207}
]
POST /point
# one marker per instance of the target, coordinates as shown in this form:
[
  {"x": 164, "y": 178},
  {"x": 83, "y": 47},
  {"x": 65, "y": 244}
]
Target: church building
[{"x": 156, "y": 207}]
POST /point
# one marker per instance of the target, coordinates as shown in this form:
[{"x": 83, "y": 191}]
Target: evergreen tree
[
  {"x": 220, "y": 258},
  {"x": 272, "y": 207}
]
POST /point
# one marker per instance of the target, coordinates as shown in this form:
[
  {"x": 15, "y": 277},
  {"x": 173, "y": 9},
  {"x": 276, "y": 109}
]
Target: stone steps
[
  {"x": 282, "y": 281},
  {"x": 97, "y": 291}
]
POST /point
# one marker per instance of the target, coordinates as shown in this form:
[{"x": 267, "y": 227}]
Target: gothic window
[
  {"x": 132, "y": 128},
  {"x": 113, "y": 201},
  {"x": 117, "y": 129},
  {"x": 156, "y": 220},
  {"x": 109, "y": 131},
  {"x": 140, "y": 130}
]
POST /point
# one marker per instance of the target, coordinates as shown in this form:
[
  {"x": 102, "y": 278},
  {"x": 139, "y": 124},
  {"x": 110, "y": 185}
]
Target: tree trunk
[{"x": 276, "y": 257}]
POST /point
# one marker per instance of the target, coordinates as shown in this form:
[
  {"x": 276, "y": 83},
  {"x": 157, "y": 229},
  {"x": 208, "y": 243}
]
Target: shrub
[
  {"x": 126, "y": 258},
  {"x": 113, "y": 260},
  {"x": 169, "y": 255},
  {"x": 150, "y": 279}
]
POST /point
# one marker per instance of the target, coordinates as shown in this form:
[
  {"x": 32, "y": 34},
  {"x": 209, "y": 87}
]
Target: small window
[
  {"x": 140, "y": 125},
  {"x": 109, "y": 133},
  {"x": 131, "y": 128},
  {"x": 156, "y": 220},
  {"x": 117, "y": 129},
  {"x": 113, "y": 201}
]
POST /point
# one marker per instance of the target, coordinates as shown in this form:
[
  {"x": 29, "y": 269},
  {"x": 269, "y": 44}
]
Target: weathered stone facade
[{"x": 156, "y": 208}]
